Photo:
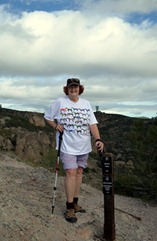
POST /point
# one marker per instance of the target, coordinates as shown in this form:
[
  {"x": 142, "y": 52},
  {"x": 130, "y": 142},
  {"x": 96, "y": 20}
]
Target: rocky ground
[{"x": 26, "y": 201}]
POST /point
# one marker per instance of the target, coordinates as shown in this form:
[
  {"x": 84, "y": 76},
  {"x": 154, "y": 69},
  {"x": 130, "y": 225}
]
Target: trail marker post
[{"x": 108, "y": 190}]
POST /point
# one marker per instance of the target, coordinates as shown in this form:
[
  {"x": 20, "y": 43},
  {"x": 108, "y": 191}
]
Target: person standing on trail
[{"x": 74, "y": 117}]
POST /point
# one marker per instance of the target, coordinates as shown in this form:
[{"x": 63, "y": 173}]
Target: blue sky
[
  {"x": 41, "y": 5},
  {"x": 111, "y": 45}
]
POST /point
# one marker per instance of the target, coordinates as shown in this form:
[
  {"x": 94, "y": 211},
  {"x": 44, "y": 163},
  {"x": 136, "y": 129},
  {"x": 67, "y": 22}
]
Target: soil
[{"x": 26, "y": 209}]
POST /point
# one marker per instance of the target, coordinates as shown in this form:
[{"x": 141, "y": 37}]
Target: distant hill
[
  {"x": 26, "y": 136},
  {"x": 16, "y": 127}
]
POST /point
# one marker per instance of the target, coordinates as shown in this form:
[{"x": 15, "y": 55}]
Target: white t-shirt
[{"x": 76, "y": 117}]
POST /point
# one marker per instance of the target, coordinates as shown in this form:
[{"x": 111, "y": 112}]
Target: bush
[{"x": 142, "y": 181}]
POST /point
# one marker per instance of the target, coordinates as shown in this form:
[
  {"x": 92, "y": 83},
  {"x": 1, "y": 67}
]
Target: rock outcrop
[
  {"x": 28, "y": 136},
  {"x": 25, "y": 134},
  {"x": 37, "y": 120}
]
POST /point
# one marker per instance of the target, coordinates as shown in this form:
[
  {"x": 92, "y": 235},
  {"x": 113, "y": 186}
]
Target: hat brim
[{"x": 73, "y": 84}]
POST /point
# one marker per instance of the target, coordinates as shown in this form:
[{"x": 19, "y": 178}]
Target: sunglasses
[{"x": 73, "y": 81}]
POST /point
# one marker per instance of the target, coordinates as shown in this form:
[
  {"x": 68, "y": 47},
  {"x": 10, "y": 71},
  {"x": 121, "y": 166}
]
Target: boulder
[
  {"x": 37, "y": 120},
  {"x": 32, "y": 146}
]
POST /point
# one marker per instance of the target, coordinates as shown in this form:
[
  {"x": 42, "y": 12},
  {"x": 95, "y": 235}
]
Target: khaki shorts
[{"x": 73, "y": 161}]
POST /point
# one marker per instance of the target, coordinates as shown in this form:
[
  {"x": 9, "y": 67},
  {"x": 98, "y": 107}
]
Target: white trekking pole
[{"x": 57, "y": 170}]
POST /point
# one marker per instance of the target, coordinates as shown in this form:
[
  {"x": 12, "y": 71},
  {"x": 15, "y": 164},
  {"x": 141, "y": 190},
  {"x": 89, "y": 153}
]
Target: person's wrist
[
  {"x": 56, "y": 127},
  {"x": 98, "y": 140}
]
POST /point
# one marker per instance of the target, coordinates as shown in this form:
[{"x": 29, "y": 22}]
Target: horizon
[{"x": 96, "y": 111}]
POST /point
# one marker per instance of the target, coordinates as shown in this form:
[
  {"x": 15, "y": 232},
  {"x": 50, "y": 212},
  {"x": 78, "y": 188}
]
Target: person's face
[{"x": 73, "y": 90}]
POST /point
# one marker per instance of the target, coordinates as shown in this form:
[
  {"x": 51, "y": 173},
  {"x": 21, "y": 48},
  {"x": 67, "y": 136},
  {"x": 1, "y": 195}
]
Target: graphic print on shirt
[{"x": 75, "y": 119}]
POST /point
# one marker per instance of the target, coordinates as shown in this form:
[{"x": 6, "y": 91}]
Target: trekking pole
[
  {"x": 57, "y": 170},
  {"x": 108, "y": 190}
]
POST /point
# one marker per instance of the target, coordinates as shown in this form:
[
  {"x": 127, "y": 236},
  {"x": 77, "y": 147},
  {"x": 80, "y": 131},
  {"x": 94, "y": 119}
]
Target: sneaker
[
  {"x": 70, "y": 215},
  {"x": 79, "y": 209}
]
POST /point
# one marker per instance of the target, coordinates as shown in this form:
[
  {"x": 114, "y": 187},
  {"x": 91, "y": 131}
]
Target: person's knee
[
  {"x": 71, "y": 172},
  {"x": 79, "y": 171}
]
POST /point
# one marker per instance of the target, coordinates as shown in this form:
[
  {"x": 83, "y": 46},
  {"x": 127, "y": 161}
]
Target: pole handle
[{"x": 60, "y": 140}]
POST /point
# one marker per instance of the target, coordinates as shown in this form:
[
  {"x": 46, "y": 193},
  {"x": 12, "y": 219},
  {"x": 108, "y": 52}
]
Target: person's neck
[{"x": 74, "y": 99}]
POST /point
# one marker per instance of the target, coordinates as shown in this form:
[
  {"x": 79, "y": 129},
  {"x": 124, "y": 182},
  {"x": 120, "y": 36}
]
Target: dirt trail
[{"x": 25, "y": 209}]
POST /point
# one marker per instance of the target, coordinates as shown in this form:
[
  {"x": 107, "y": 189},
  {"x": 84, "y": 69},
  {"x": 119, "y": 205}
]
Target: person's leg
[
  {"x": 73, "y": 165},
  {"x": 82, "y": 163},
  {"x": 70, "y": 180},
  {"x": 70, "y": 184},
  {"x": 78, "y": 181},
  {"x": 70, "y": 167}
]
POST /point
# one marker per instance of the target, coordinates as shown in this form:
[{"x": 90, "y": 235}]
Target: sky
[{"x": 110, "y": 45}]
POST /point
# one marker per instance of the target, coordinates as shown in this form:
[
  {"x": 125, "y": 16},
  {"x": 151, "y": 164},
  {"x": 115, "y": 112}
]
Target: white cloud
[
  {"x": 115, "y": 60},
  {"x": 43, "y": 43},
  {"x": 111, "y": 7}
]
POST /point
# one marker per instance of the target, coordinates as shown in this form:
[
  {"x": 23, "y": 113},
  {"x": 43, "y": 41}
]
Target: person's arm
[
  {"x": 96, "y": 135},
  {"x": 50, "y": 116},
  {"x": 53, "y": 124},
  {"x": 56, "y": 126}
]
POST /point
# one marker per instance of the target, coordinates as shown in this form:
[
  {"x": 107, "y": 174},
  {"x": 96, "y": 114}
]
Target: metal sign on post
[{"x": 108, "y": 190}]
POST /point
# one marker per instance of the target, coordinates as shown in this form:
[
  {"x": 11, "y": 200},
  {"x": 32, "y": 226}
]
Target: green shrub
[{"x": 142, "y": 181}]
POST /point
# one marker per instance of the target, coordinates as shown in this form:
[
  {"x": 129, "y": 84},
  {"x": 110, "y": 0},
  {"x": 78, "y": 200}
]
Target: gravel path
[{"x": 25, "y": 209}]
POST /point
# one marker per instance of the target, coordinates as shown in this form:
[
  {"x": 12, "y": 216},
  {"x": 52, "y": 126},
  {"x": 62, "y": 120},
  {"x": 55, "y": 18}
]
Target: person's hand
[
  {"x": 59, "y": 128},
  {"x": 99, "y": 145}
]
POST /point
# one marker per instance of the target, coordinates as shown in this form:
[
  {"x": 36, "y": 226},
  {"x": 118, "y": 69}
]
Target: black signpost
[{"x": 108, "y": 190}]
